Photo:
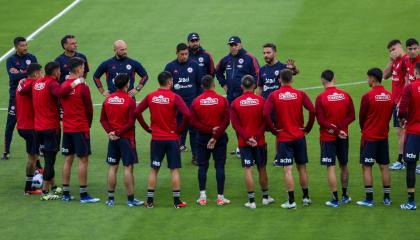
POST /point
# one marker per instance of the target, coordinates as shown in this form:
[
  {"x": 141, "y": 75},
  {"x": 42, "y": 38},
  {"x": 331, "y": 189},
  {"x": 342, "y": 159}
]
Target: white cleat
[
  {"x": 288, "y": 205},
  {"x": 267, "y": 201},
  {"x": 250, "y": 205},
  {"x": 306, "y": 201}
]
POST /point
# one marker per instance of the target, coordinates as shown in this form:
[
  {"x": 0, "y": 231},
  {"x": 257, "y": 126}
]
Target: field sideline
[{"x": 346, "y": 36}]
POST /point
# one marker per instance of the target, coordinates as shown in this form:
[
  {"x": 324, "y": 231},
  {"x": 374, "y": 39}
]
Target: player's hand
[
  {"x": 402, "y": 122},
  {"x": 252, "y": 142},
  {"x": 105, "y": 93},
  {"x": 304, "y": 129},
  {"x": 13, "y": 70},
  {"x": 132, "y": 92},
  {"x": 211, "y": 143},
  {"x": 290, "y": 63},
  {"x": 225, "y": 88},
  {"x": 21, "y": 81},
  {"x": 214, "y": 130},
  {"x": 342, "y": 134},
  {"x": 112, "y": 136}
]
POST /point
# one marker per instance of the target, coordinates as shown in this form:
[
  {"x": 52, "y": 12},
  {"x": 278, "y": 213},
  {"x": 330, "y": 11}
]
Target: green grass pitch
[{"x": 346, "y": 36}]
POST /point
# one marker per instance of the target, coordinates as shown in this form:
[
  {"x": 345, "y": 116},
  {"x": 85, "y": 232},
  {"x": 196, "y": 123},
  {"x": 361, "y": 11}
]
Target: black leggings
[
  {"x": 49, "y": 158},
  {"x": 411, "y": 175}
]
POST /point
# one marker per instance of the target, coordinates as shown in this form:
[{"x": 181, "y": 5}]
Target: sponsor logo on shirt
[
  {"x": 276, "y": 72},
  {"x": 179, "y": 86},
  {"x": 28, "y": 62},
  {"x": 241, "y": 60},
  {"x": 249, "y": 102},
  {"x": 287, "y": 96},
  {"x": 190, "y": 70},
  {"x": 266, "y": 88},
  {"x": 418, "y": 88},
  {"x": 183, "y": 80},
  {"x": 160, "y": 99},
  {"x": 200, "y": 59},
  {"x": 128, "y": 67},
  {"x": 39, "y": 86},
  {"x": 382, "y": 97},
  {"x": 336, "y": 97},
  {"x": 209, "y": 101},
  {"x": 116, "y": 100}
]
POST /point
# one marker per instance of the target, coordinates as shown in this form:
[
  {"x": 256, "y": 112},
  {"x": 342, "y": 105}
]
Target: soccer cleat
[
  {"x": 366, "y": 203},
  {"x": 202, "y": 201},
  {"x": 269, "y": 200},
  {"x": 345, "y": 199},
  {"x": 110, "y": 203},
  {"x": 418, "y": 167},
  {"x": 396, "y": 166},
  {"x": 288, "y": 205},
  {"x": 57, "y": 191},
  {"x": 417, "y": 171},
  {"x": 332, "y": 203},
  {"x": 238, "y": 153},
  {"x": 222, "y": 201},
  {"x": 149, "y": 205},
  {"x": 33, "y": 192},
  {"x": 180, "y": 205},
  {"x": 89, "y": 199},
  {"x": 250, "y": 205},
  {"x": 67, "y": 198},
  {"x": 5, "y": 156},
  {"x": 135, "y": 203},
  {"x": 49, "y": 197},
  {"x": 408, "y": 206},
  {"x": 387, "y": 201},
  {"x": 183, "y": 148},
  {"x": 306, "y": 201}
]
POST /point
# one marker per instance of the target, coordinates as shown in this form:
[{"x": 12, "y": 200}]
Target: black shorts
[
  {"x": 124, "y": 149},
  {"x": 330, "y": 150},
  {"x": 76, "y": 143},
  {"x": 254, "y": 155},
  {"x": 219, "y": 151},
  {"x": 160, "y": 148},
  {"x": 31, "y": 140},
  {"x": 374, "y": 151},
  {"x": 411, "y": 147},
  {"x": 395, "y": 121},
  {"x": 50, "y": 139},
  {"x": 292, "y": 151}
]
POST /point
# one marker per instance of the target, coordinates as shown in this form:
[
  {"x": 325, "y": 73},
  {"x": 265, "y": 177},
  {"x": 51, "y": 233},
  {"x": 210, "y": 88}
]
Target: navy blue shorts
[
  {"x": 219, "y": 151},
  {"x": 395, "y": 121},
  {"x": 374, "y": 151},
  {"x": 411, "y": 147},
  {"x": 76, "y": 143},
  {"x": 332, "y": 150},
  {"x": 50, "y": 140},
  {"x": 293, "y": 151},
  {"x": 124, "y": 149},
  {"x": 254, "y": 155},
  {"x": 160, "y": 148},
  {"x": 32, "y": 143}
]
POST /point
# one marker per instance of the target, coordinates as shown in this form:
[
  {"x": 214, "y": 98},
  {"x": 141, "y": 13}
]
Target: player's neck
[
  {"x": 165, "y": 87},
  {"x": 72, "y": 76},
  {"x": 19, "y": 54},
  {"x": 272, "y": 62},
  {"x": 329, "y": 85},
  {"x": 376, "y": 84},
  {"x": 69, "y": 54}
]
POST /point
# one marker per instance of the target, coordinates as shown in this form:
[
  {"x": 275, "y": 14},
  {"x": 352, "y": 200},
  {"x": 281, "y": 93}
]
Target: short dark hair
[
  {"x": 247, "y": 81},
  {"x": 65, "y": 38},
  {"x": 32, "y": 68},
  {"x": 286, "y": 75},
  {"x": 411, "y": 41},
  {"x": 207, "y": 81},
  {"x": 164, "y": 77},
  {"x": 270, "y": 45},
  {"x": 327, "y": 75},
  {"x": 18, "y": 40},
  {"x": 51, "y": 67},
  {"x": 121, "y": 80},
  {"x": 75, "y": 62},
  {"x": 181, "y": 47},
  {"x": 375, "y": 73},
  {"x": 393, "y": 43},
  {"x": 417, "y": 67}
]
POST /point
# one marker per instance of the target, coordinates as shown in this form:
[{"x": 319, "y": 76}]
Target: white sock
[{"x": 203, "y": 194}]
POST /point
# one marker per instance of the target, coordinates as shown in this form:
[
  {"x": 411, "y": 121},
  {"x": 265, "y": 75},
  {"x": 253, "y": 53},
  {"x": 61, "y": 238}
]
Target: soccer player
[
  {"x": 186, "y": 75},
  {"x": 69, "y": 44},
  {"x": 163, "y": 105},
  {"x": 120, "y": 64},
  {"x": 270, "y": 71},
  {"x": 409, "y": 114},
  {"x": 287, "y": 104},
  {"x": 210, "y": 116},
  {"x": 374, "y": 116},
  {"x": 235, "y": 65},
  {"x": 248, "y": 121},
  {"x": 25, "y": 125},
  {"x": 394, "y": 70},
  {"x": 117, "y": 118},
  {"x": 199, "y": 55},
  {"x": 412, "y": 57},
  {"x": 334, "y": 112},
  {"x": 77, "y": 120},
  {"x": 16, "y": 66}
]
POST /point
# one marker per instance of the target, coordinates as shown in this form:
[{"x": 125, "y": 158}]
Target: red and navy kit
[
  {"x": 204, "y": 60},
  {"x": 268, "y": 78},
  {"x": 408, "y": 65},
  {"x": 231, "y": 69},
  {"x": 115, "y": 66},
  {"x": 398, "y": 78},
  {"x": 63, "y": 60}
]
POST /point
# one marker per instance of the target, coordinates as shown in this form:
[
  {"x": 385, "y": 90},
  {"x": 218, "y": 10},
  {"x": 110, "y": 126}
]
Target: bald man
[{"x": 120, "y": 63}]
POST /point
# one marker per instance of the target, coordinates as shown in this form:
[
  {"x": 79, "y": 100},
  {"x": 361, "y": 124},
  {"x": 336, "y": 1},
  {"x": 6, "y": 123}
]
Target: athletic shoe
[
  {"x": 366, "y": 203},
  {"x": 183, "y": 148},
  {"x": 238, "y": 153},
  {"x": 33, "y": 192},
  {"x": 89, "y": 199},
  {"x": 251, "y": 205},
  {"x": 345, "y": 199},
  {"x": 110, "y": 203},
  {"x": 418, "y": 167},
  {"x": 332, "y": 203},
  {"x": 5, "y": 156},
  {"x": 39, "y": 170},
  {"x": 409, "y": 206},
  {"x": 417, "y": 171},
  {"x": 288, "y": 205},
  {"x": 180, "y": 205},
  {"x": 387, "y": 201},
  {"x": 67, "y": 198},
  {"x": 306, "y": 201},
  {"x": 57, "y": 191},
  {"x": 202, "y": 201},
  {"x": 275, "y": 163},
  {"x": 135, "y": 203},
  {"x": 222, "y": 201},
  {"x": 149, "y": 205},
  {"x": 396, "y": 166},
  {"x": 269, "y": 200},
  {"x": 49, "y": 196}
]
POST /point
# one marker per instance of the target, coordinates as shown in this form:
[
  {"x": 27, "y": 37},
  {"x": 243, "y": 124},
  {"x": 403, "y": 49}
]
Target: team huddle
[{"x": 258, "y": 101}]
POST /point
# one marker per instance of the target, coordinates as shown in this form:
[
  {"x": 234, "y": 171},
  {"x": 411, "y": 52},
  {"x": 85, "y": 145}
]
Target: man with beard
[{"x": 199, "y": 55}]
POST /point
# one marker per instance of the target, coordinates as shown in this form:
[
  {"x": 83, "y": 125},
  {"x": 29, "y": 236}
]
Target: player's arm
[
  {"x": 87, "y": 102},
  {"x": 255, "y": 68},
  {"x": 363, "y": 112},
  {"x": 87, "y": 69},
  {"x": 234, "y": 118},
  {"x": 13, "y": 71},
  {"x": 307, "y": 104},
  {"x": 139, "y": 69},
  {"x": 350, "y": 116},
  {"x": 225, "y": 122},
  {"x": 196, "y": 123},
  {"x": 320, "y": 116},
  {"x": 26, "y": 89},
  {"x": 388, "y": 70},
  {"x": 268, "y": 109},
  {"x": 404, "y": 104},
  {"x": 131, "y": 120},
  {"x": 261, "y": 131},
  {"x": 97, "y": 78},
  {"x": 182, "y": 107},
  {"x": 210, "y": 66},
  {"x": 104, "y": 120},
  {"x": 143, "y": 105},
  {"x": 220, "y": 74},
  {"x": 59, "y": 91},
  {"x": 260, "y": 85}
]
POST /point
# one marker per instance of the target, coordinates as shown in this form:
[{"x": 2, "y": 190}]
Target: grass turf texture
[{"x": 347, "y": 36}]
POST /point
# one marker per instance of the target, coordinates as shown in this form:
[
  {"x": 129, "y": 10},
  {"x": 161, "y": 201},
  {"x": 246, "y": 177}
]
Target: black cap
[
  {"x": 234, "y": 39},
  {"x": 193, "y": 36}
]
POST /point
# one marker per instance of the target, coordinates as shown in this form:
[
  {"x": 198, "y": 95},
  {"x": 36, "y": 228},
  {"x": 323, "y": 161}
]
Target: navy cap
[
  {"x": 234, "y": 39},
  {"x": 193, "y": 36}
]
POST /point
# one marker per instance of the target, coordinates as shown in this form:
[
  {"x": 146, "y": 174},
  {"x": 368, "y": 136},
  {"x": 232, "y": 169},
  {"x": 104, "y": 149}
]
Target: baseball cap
[
  {"x": 193, "y": 36},
  {"x": 234, "y": 39}
]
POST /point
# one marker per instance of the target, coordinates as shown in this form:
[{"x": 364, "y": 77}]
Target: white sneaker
[
  {"x": 288, "y": 205},
  {"x": 202, "y": 200},
  {"x": 306, "y": 201},
  {"x": 222, "y": 201},
  {"x": 238, "y": 153},
  {"x": 266, "y": 201},
  {"x": 396, "y": 166},
  {"x": 418, "y": 167},
  {"x": 250, "y": 205}
]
